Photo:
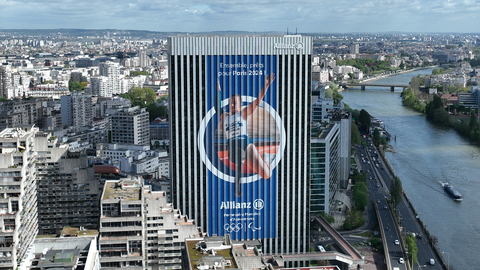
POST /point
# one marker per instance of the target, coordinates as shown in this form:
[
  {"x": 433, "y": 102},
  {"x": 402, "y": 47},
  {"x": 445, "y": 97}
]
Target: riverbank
[
  {"x": 426, "y": 155},
  {"x": 382, "y": 76}
]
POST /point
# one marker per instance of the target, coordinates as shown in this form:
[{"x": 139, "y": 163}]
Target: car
[
  {"x": 419, "y": 236},
  {"x": 386, "y": 207},
  {"x": 401, "y": 260},
  {"x": 397, "y": 242},
  {"x": 378, "y": 201},
  {"x": 432, "y": 261},
  {"x": 378, "y": 185},
  {"x": 368, "y": 161}
]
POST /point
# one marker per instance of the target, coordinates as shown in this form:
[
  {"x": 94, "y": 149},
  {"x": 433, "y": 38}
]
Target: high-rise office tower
[
  {"x": 130, "y": 126},
  {"x": 4, "y": 81},
  {"x": 111, "y": 70},
  {"x": 325, "y": 168},
  {"x": 144, "y": 59},
  {"x": 354, "y": 48},
  {"x": 240, "y": 112},
  {"x": 18, "y": 194},
  {"x": 77, "y": 110}
]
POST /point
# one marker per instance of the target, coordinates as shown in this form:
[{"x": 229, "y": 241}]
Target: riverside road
[
  {"x": 378, "y": 183},
  {"x": 426, "y": 156}
]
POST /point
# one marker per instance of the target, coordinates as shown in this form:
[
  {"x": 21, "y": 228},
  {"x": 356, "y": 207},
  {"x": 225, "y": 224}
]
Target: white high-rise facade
[
  {"x": 144, "y": 59},
  {"x": 111, "y": 70},
  {"x": 100, "y": 86},
  {"x": 131, "y": 126},
  {"x": 77, "y": 110},
  {"x": 18, "y": 203}
]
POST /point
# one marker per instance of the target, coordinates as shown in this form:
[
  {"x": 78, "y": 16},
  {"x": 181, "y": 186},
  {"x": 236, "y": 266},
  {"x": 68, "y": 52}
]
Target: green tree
[
  {"x": 440, "y": 116},
  {"x": 353, "y": 220},
  {"x": 83, "y": 85},
  {"x": 139, "y": 96},
  {"x": 329, "y": 93},
  {"x": 359, "y": 177},
  {"x": 137, "y": 73},
  {"x": 396, "y": 191},
  {"x": 473, "y": 121},
  {"x": 376, "y": 137},
  {"x": 412, "y": 248},
  {"x": 157, "y": 144},
  {"x": 365, "y": 120},
  {"x": 433, "y": 105},
  {"x": 74, "y": 86},
  {"x": 355, "y": 136},
  {"x": 360, "y": 197},
  {"x": 47, "y": 82},
  {"x": 156, "y": 111},
  {"x": 330, "y": 219}
]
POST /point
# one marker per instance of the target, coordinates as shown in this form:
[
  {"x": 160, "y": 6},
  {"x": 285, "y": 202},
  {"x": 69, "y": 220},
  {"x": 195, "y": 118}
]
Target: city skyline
[{"x": 304, "y": 16}]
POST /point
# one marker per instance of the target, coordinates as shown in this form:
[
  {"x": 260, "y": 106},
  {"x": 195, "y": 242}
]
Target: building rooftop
[
  {"x": 200, "y": 256},
  {"x": 122, "y": 190},
  {"x": 10, "y": 133}
]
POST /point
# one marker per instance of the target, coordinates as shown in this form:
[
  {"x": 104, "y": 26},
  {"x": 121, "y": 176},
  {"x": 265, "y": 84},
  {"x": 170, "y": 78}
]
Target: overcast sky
[{"x": 322, "y": 16}]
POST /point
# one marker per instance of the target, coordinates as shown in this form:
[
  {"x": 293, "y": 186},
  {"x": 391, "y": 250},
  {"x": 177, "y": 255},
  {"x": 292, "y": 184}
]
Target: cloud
[
  {"x": 198, "y": 9},
  {"x": 247, "y": 15}
]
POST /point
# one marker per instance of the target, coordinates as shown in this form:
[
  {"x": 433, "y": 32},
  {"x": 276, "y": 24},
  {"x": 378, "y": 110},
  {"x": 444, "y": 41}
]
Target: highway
[{"x": 378, "y": 182}]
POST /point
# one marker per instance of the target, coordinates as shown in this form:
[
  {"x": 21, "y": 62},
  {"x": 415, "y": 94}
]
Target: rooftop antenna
[
  {"x": 287, "y": 31},
  {"x": 295, "y": 30}
]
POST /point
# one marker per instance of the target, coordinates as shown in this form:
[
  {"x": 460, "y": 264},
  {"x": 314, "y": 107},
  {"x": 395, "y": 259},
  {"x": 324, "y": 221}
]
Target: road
[{"x": 378, "y": 182}]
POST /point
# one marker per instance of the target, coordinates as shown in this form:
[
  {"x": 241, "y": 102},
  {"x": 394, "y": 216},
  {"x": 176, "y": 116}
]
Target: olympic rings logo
[{"x": 232, "y": 227}]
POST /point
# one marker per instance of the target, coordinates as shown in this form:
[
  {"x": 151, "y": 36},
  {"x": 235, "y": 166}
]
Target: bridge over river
[{"x": 363, "y": 85}]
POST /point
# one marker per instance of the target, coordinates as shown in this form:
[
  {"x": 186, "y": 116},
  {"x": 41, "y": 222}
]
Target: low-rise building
[{"x": 67, "y": 253}]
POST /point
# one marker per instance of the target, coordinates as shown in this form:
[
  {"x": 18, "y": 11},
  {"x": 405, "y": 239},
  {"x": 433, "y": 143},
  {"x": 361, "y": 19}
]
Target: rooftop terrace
[{"x": 123, "y": 190}]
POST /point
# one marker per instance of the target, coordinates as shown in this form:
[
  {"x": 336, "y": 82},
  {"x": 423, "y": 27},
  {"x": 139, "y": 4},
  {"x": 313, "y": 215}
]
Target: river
[{"x": 426, "y": 156}]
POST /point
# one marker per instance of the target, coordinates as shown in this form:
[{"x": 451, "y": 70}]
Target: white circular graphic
[
  {"x": 258, "y": 204},
  {"x": 299, "y": 46},
  {"x": 201, "y": 139}
]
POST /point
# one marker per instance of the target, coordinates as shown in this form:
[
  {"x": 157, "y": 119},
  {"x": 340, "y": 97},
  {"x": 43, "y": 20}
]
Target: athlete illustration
[{"x": 240, "y": 147}]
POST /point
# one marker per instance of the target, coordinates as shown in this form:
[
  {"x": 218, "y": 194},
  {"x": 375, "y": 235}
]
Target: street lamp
[
  {"x": 420, "y": 267},
  {"x": 448, "y": 260}
]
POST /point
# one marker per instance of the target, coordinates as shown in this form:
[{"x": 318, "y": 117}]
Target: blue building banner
[{"x": 241, "y": 141}]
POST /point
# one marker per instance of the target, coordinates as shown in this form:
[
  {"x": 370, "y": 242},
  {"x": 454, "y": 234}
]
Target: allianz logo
[
  {"x": 258, "y": 204},
  {"x": 235, "y": 205},
  {"x": 297, "y": 46}
]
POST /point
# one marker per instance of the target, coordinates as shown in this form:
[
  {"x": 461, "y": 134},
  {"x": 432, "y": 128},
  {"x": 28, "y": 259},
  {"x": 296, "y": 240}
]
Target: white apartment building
[
  {"x": 100, "y": 86},
  {"x": 144, "y": 59},
  {"x": 131, "y": 126},
  {"x": 76, "y": 110},
  {"x": 111, "y": 70},
  {"x": 18, "y": 199},
  {"x": 139, "y": 229}
]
